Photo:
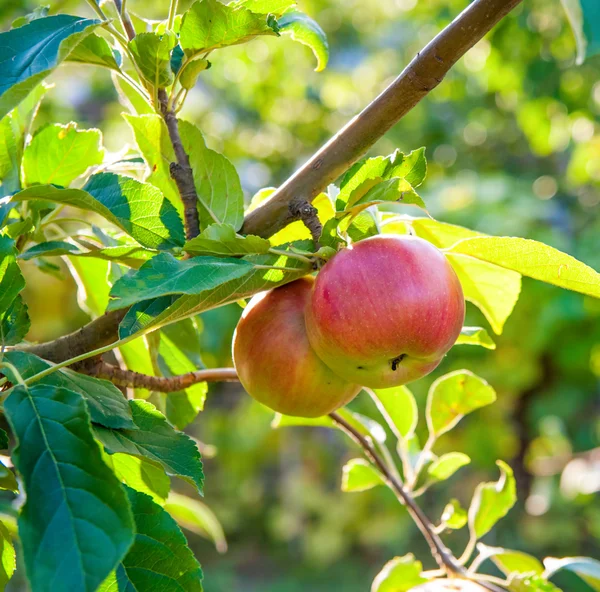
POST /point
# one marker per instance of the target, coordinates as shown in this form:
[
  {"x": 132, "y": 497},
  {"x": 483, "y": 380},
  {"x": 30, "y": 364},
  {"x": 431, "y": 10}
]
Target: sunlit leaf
[
  {"x": 453, "y": 396},
  {"x": 586, "y": 568},
  {"x": 95, "y": 50},
  {"x": 509, "y": 561},
  {"x": 446, "y": 465},
  {"x": 276, "y": 7},
  {"x": 14, "y": 322},
  {"x": 441, "y": 234},
  {"x": 584, "y": 17},
  {"x": 197, "y": 517},
  {"x": 152, "y": 54},
  {"x": 399, "y": 575},
  {"x": 492, "y": 501},
  {"x": 359, "y": 475},
  {"x": 454, "y": 515},
  {"x": 399, "y": 409},
  {"x": 221, "y": 239},
  {"x": 76, "y": 524},
  {"x": 8, "y": 481},
  {"x": 305, "y": 30},
  {"x": 475, "y": 336}
]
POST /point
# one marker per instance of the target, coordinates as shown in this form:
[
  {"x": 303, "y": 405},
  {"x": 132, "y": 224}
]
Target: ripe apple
[
  {"x": 384, "y": 311},
  {"x": 274, "y": 360}
]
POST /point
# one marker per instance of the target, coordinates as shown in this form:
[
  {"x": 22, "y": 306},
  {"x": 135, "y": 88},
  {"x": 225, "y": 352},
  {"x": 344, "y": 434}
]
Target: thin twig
[
  {"x": 130, "y": 379},
  {"x": 419, "y": 78},
  {"x": 181, "y": 171},
  {"x": 125, "y": 20},
  {"x": 440, "y": 552}
]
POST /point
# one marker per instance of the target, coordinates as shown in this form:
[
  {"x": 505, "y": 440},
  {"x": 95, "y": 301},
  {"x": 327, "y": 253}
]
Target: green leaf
[
  {"x": 399, "y": 409},
  {"x": 159, "y": 558},
  {"x": 586, "y": 568},
  {"x": 454, "y": 515},
  {"x": 3, "y": 439},
  {"x": 156, "y": 313},
  {"x": 105, "y": 401},
  {"x": 93, "y": 288},
  {"x": 221, "y": 239},
  {"x": 76, "y": 524},
  {"x": 157, "y": 441},
  {"x": 453, "y": 396},
  {"x": 584, "y": 17},
  {"x": 209, "y": 25},
  {"x": 305, "y": 30},
  {"x": 164, "y": 275},
  {"x": 509, "y": 561},
  {"x": 136, "y": 356},
  {"x": 58, "y": 154},
  {"x": 7, "y": 481},
  {"x": 220, "y": 195},
  {"x": 95, "y": 50},
  {"x": 399, "y": 575},
  {"x": 133, "y": 97},
  {"x": 137, "y": 208},
  {"x": 8, "y": 558},
  {"x": 492, "y": 501},
  {"x": 493, "y": 290},
  {"x": 446, "y": 465},
  {"x": 276, "y": 7},
  {"x": 475, "y": 336},
  {"x": 192, "y": 70},
  {"x": 359, "y": 475},
  {"x": 390, "y": 190},
  {"x": 411, "y": 166},
  {"x": 140, "y": 474},
  {"x": 530, "y": 583},
  {"x": 28, "y": 54},
  {"x": 152, "y": 54},
  {"x": 533, "y": 259},
  {"x": 196, "y": 517},
  {"x": 440, "y": 234},
  {"x": 14, "y": 322},
  {"x": 359, "y": 179}
]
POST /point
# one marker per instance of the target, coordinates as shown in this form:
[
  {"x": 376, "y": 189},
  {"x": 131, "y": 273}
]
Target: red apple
[
  {"x": 274, "y": 360},
  {"x": 384, "y": 311}
]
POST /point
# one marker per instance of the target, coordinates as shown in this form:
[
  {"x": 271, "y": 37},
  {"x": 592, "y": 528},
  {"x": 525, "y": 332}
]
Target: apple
[
  {"x": 274, "y": 360},
  {"x": 385, "y": 311}
]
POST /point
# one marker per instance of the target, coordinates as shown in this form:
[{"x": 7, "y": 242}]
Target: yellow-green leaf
[{"x": 359, "y": 475}]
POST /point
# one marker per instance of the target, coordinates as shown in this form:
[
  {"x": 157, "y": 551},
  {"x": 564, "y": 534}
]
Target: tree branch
[
  {"x": 130, "y": 379},
  {"x": 418, "y": 79},
  {"x": 125, "y": 20},
  {"x": 181, "y": 171}
]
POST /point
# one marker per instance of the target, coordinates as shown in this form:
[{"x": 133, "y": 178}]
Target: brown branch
[
  {"x": 125, "y": 20},
  {"x": 171, "y": 384},
  {"x": 302, "y": 210},
  {"x": 419, "y": 78},
  {"x": 97, "y": 333},
  {"x": 181, "y": 171}
]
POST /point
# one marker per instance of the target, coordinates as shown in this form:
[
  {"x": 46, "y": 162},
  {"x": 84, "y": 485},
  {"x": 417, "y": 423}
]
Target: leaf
[
  {"x": 28, "y": 54},
  {"x": 133, "y": 97},
  {"x": 137, "y": 208},
  {"x": 453, "y": 396},
  {"x": 586, "y": 568},
  {"x": 164, "y": 275},
  {"x": 8, "y": 559},
  {"x": 153, "y": 314},
  {"x": 530, "y": 582},
  {"x": 93, "y": 287},
  {"x": 58, "y": 154},
  {"x": 14, "y": 322},
  {"x": 441, "y": 234},
  {"x": 454, "y": 515},
  {"x": 159, "y": 558},
  {"x": 475, "y": 336},
  {"x": 105, "y": 401},
  {"x": 276, "y": 7},
  {"x": 492, "y": 501},
  {"x": 446, "y": 465},
  {"x": 7, "y": 481},
  {"x": 11, "y": 279},
  {"x": 411, "y": 166},
  {"x": 399, "y": 575},
  {"x": 359, "y": 475},
  {"x": 157, "y": 441},
  {"x": 399, "y": 409},
  {"x": 196, "y": 517},
  {"x": 152, "y": 54},
  {"x": 95, "y": 50},
  {"x": 509, "y": 561},
  {"x": 220, "y": 195},
  {"x": 305, "y": 30},
  {"x": 76, "y": 524},
  {"x": 533, "y": 259},
  {"x": 584, "y": 18},
  {"x": 136, "y": 356},
  {"x": 390, "y": 190},
  {"x": 3, "y": 440},
  {"x": 140, "y": 474},
  {"x": 210, "y": 25},
  {"x": 359, "y": 179},
  {"x": 189, "y": 75},
  {"x": 493, "y": 290},
  {"x": 221, "y": 239}
]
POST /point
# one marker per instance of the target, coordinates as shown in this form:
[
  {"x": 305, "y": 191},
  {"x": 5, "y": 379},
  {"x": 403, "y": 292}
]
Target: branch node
[{"x": 301, "y": 209}]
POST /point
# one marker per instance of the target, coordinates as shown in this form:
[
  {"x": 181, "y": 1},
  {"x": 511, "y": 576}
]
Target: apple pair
[{"x": 380, "y": 313}]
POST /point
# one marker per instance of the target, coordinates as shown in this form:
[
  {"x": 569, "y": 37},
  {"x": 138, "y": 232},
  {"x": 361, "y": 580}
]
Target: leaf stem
[
  {"x": 291, "y": 255},
  {"x": 422, "y": 459},
  {"x": 172, "y": 14}
]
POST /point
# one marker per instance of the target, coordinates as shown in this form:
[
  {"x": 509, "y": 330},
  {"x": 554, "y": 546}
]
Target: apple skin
[
  {"x": 385, "y": 311},
  {"x": 275, "y": 362}
]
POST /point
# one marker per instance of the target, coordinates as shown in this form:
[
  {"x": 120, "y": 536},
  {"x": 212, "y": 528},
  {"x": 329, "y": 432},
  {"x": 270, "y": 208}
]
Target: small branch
[
  {"x": 181, "y": 171},
  {"x": 172, "y": 14},
  {"x": 419, "y": 78},
  {"x": 130, "y": 379},
  {"x": 125, "y": 20},
  {"x": 302, "y": 210},
  {"x": 440, "y": 552},
  {"x": 98, "y": 333}
]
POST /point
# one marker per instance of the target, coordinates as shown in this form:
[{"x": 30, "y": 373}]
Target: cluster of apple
[{"x": 380, "y": 313}]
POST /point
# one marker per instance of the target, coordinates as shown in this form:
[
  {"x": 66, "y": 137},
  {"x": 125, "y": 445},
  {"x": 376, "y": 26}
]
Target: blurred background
[{"x": 513, "y": 144}]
